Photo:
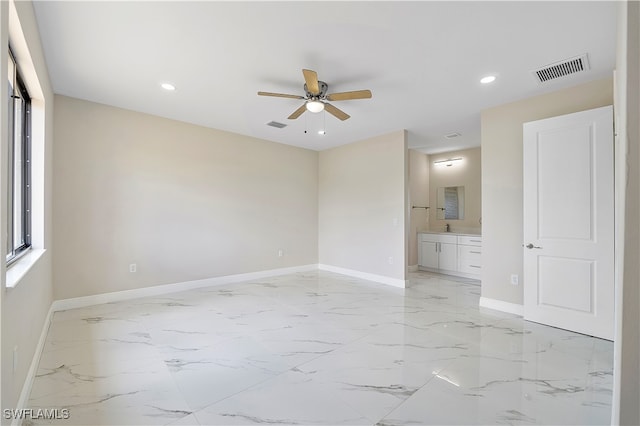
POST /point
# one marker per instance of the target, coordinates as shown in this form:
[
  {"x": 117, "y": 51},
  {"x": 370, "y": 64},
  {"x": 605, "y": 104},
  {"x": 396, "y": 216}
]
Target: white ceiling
[{"x": 421, "y": 60}]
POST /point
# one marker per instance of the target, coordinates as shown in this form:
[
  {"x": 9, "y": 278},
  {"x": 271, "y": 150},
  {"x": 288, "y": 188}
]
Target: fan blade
[
  {"x": 297, "y": 113},
  {"x": 311, "y": 78},
  {"x": 344, "y": 96},
  {"x": 280, "y": 95},
  {"x": 336, "y": 112}
]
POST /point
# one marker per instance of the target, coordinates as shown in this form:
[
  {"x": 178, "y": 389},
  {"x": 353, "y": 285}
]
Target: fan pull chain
[{"x": 324, "y": 122}]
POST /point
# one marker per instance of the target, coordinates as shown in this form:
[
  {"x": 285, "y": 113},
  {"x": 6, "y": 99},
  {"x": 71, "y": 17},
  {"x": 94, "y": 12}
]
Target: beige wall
[
  {"x": 464, "y": 173},
  {"x": 182, "y": 202},
  {"x": 502, "y": 179},
  {"x": 418, "y": 196},
  {"x": 363, "y": 206},
  {"x": 25, "y": 307},
  {"x": 626, "y": 394}
]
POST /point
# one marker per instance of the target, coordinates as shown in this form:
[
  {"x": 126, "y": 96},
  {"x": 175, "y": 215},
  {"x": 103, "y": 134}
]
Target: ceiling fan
[{"x": 316, "y": 97}]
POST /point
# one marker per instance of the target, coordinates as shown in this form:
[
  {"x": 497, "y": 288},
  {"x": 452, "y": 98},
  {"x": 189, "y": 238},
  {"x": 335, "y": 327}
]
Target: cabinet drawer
[
  {"x": 470, "y": 259},
  {"x": 469, "y": 268},
  {"x": 438, "y": 238},
  {"x": 471, "y": 252},
  {"x": 470, "y": 240}
]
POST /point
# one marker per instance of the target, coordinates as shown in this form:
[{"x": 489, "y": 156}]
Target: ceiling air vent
[
  {"x": 276, "y": 124},
  {"x": 562, "y": 68},
  {"x": 453, "y": 135}
]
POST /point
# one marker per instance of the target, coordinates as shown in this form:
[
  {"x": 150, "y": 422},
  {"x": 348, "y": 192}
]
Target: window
[{"x": 19, "y": 167}]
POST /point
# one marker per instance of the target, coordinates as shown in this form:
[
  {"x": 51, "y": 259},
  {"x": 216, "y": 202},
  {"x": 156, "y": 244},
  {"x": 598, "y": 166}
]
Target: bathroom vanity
[{"x": 450, "y": 253}]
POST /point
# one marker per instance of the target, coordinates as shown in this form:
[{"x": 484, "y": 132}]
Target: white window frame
[{"x": 19, "y": 166}]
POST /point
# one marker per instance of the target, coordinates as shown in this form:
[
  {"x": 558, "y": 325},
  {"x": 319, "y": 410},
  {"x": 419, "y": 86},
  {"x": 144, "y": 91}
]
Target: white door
[{"x": 569, "y": 222}]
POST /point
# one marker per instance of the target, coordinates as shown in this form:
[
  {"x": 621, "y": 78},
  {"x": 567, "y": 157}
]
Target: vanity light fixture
[{"x": 448, "y": 162}]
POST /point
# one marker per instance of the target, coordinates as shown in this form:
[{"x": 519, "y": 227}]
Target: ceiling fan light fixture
[
  {"x": 315, "y": 106},
  {"x": 316, "y": 98}
]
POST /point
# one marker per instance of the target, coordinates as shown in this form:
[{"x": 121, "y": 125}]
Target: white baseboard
[
  {"x": 395, "y": 282},
  {"x": 33, "y": 368},
  {"x": 413, "y": 268},
  {"x": 159, "y": 290},
  {"x": 500, "y": 305}
]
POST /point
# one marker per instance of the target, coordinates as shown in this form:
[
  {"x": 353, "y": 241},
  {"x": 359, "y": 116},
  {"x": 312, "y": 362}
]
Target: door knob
[{"x": 531, "y": 246}]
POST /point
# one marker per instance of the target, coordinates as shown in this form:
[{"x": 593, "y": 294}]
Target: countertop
[{"x": 469, "y": 234}]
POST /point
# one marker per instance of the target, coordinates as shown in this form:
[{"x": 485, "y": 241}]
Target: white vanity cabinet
[
  {"x": 428, "y": 254},
  {"x": 438, "y": 251},
  {"x": 448, "y": 258},
  {"x": 470, "y": 254},
  {"x": 450, "y": 253}
]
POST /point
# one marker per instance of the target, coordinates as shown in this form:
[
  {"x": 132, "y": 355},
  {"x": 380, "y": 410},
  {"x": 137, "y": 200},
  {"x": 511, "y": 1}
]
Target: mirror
[{"x": 450, "y": 203}]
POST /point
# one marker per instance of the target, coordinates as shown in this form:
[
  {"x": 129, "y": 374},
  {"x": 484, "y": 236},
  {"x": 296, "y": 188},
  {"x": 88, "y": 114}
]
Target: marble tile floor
[{"x": 319, "y": 348}]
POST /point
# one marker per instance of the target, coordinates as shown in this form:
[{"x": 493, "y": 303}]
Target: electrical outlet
[
  {"x": 133, "y": 267},
  {"x": 514, "y": 279},
  {"x": 280, "y": 253},
  {"x": 390, "y": 260}
]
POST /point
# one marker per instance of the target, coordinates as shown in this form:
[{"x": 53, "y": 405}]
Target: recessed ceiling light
[
  {"x": 168, "y": 86},
  {"x": 321, "y": 132},
  {"x": 488, "y": 79}
]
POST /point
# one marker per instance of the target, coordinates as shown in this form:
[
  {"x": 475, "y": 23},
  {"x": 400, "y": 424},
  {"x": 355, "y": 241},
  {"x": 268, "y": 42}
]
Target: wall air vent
[
  {"x": 276, "y": 124},
  {"x": 561, "y": 69}
]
